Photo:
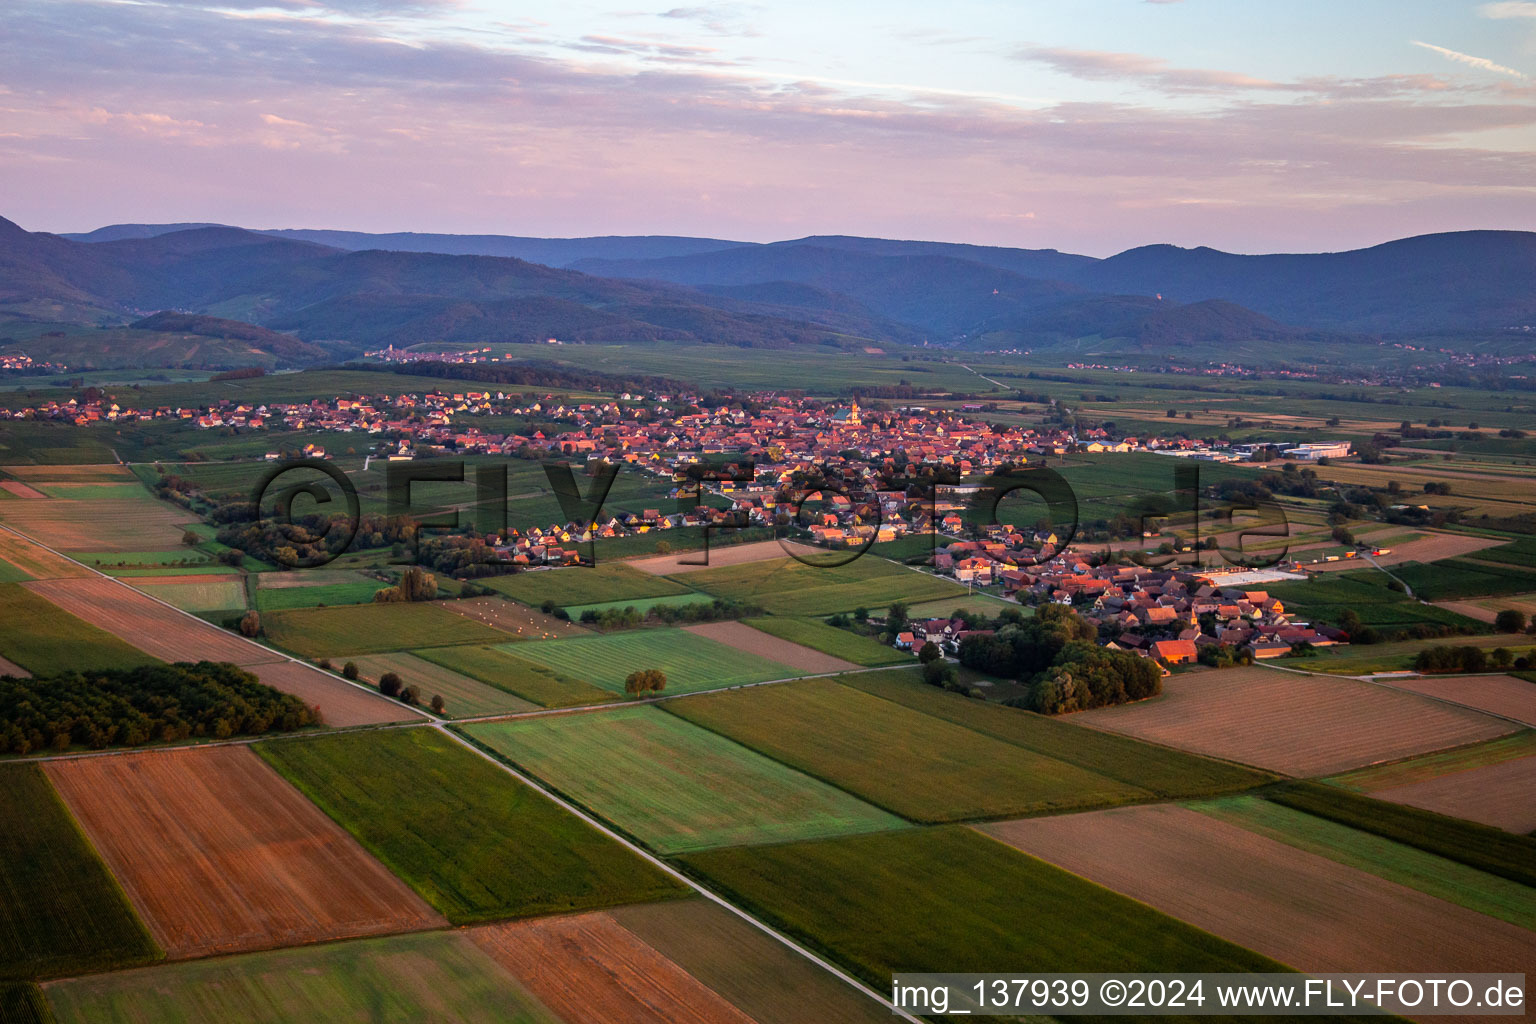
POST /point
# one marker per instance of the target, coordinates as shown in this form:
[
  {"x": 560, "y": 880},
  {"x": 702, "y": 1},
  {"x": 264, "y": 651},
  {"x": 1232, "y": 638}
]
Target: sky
[{"x": 1088, "y": 126}]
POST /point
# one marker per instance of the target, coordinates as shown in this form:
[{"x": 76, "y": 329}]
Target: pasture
[
  {"x": 43, "y": 638},
  {"x": 589, "y": 969},
  {"x": 61, "y": 912},
  {"x": 691, "y": 662},
  {"x": 951, "y": 899},
  {"x": 920, "y": 767},
  {"x": 1158, "y": 770},
  {"x": 700, "y": 790},
  {"x": 830, "y": 640},
  {"x": 220, "y": 854},
  {"x": 768, "y": 981},
  {"x": 373, "y": 629},
  {"x": 1295, "y": 724},
  {"x": 476, "y": 843},
  {"x": 500, "y": 668},
  {"x": 787, "y": 586},
  {"x": 437, "y": 976},
  {"x": 579, "y": 585},
  {"x": 1307, "y": 911},
  {"x": 465, "y": 697}
]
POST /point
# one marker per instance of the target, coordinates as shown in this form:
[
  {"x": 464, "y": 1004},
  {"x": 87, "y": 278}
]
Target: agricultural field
[
  {"x": 1433, "y": 766},
  {"x": 499, "y": 667},
  {"x": 763, "y": 644},
  {"x": 1160, "y": 770},
  {"x": 758, "y": 974},
  {"x": 701, "y": 790},
  {"x": 839, "y": 643},
  {"x": 589, "y": 969},
  {"x": 1505, "y": 696},
  {"x": 437, "y": 976},
  {"x": 129, "y": 523},
  {"x": 1398, "y": 655},
  {"x": 196, "y": 593},
  {"x": 1247, "y": 888},
  {"x": 1494, "y": 794},
  {"x": 605, "y": 581},
  {"x": 279, "y": 591},
  {"x": 1299, "y": 725},
  {"x": 691, "y": 662},
  {"x": 1324, "y": 600},
  {"x": 373, "y": 629},
  {"x": 915, "y": 765},
  {"x": 721, "y": 555},
  {"x": 518, "y": 621},
  {"x": 237, "y": 858},
  {"x": 342, "y": 704},
  {"x": 1456, "y": 578},
  {"x": 43, "y": 639},
  {"x": 951, "y": 899},
  {"x": 1385, "y": 858},
  {"x": 440, "y": 817},
  {"x": 786, "y": 586},
  {"x": 641, "y": 605},
  {"x": 465, "y": 697},
  {"x": 61, "y": 912},
  {"x": 34, "y": 561},
  {"x": 980, "y": 605}
]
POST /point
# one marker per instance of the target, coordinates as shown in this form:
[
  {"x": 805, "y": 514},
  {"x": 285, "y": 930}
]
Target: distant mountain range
[{"x": 350, "y": 290}]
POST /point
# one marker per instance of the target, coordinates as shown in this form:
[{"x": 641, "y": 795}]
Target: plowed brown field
[
  {"x": 20, "y": 489},
  {"x": 720, "y": 554},
  {"x": 220, "y": 854},
  {"x": 1301, "y": 725},
  {"x": 1297, "y": 907},
  {"x": 341, "y": 704},
  {"x": 1502, "y": 795},
  {"x": 10, "y": 668},
  {"x": 764, "y": 645},
  {"x": 589, "y": 969},
  {"x": 37, "y": 561},
  {"x": 99, "y": 524},
  {"x": 1501, "y": 695}
]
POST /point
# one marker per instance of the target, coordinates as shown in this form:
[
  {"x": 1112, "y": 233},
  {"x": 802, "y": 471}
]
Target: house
[{"x": 1175, "y": 652}]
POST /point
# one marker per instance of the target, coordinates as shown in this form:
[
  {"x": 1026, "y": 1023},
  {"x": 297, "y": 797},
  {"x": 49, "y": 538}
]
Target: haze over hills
[{"x": 351, "y": 290}]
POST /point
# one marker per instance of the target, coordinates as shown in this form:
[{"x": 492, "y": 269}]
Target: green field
[
  {"x": 432, "y": 976},
  {"x": 691, "y": 662},
  {"x": 200, "y": 597},
  {"x": 94, "y": 491},
  {"x": 1477, "y": 846},
  {"x": 22, "y": 1002},
  {"x": 61, "y": 911},
  {"x": 980, "y": 605},
  {"x": 500, "y": 668},
  {"x": 787, "y": 586},
  {"x": 373, "y": 629},
  {"x": 463, "y": 696},
  {"x": 1396, "y": 656},
  {"x": 1327, "y": 597},
  {"x": 915, "y": 765},
  {"x": 44, "y": 639},
  {"x": 1158, "y": 770},
  {"x": 476, "y": 843},
  {"x": 674, "y": 785},
  {"x": 360, "y": 591},
  {"x": 757, "y": 974},
  {"x": 642, "y": 605},
  {"x": 950, "y": 899},
  {"x": 840, "y": 643},
  {"x": 603, "y": 582},
  {"x": 180, "y": 558},
  {"x": 10, "y": 573},
  {"x": 1453, "y": 578},
  {"x": 1396, "y": 862}
]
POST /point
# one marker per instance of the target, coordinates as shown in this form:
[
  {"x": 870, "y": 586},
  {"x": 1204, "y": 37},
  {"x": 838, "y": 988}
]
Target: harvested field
[
  {"x": 920, "y": 767},
  {"x": 20, "y": 489},
  {"x": 1297, "y": 724},
  {"x": 432, "y": 976},
  {"x": 475, "y": 842},
  {"x": 100, "y": 524},
  {"x": 691, "y": 662},
  {"x": 10, "y": 668},
  {"x": 1433, "y": 766},
  {"x": 589, "y": 969},
  {"x": 464, "y": 697},
  {"x": 760, "y": 975},
  {"x": 701, "y": 789},
  {"x": 606, "y": 581},
  {"x": 373, "y": 629},
  {"x": 147, "y": 624},
  {"x": 220, "y": 854},
  {"x": 839, "y": 643},
  {"x": 1297, "y": 907},
  {"x": 522, "y": 622},
  {"x": 499, "y": 667},
  {"x": 196, "y": 593},
  {"x": 721, "y": 554},
  {"x": 36, "y": 561},
  {"x": 1497, "y": 794},
  {"x": 763, "y": 645},
  {"x": 1499, "y": 695},
  {"x": 341, "y": 704},
  {"x": 1430, "y": 548}
]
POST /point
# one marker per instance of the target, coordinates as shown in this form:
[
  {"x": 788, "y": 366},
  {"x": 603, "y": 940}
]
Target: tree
[
  {"x": 646, "y": 680},
  {"x": 897, "y": 615},
  {"x": 250, "y": 624},
  {"x": 939, "y": 673},
  {"x": 1510, "y": 620},
  {"x": 390, "y": 683},
  {"x": 438, "y": 705},
  {"x": 349, "y": 670},
  {"x": 1173, "y": 414},
  {"x": 861, "y": 614},
  {"x": 411, "y": 695},
  {"x": 416, "y": 584},
  {"x": 191, "y": 539},
  {"x": 929, "y": 652},
  {"x": 1501, "y": 657},
  {"x": 1343, "y": 535}
]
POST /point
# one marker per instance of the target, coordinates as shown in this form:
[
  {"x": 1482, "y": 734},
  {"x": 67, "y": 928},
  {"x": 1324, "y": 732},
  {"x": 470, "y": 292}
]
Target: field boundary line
[
  {"x": 673, "y": 872},
  {"x": 281, "y": 655}
]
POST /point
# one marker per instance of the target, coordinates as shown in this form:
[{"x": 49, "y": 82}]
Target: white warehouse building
[{"x": 1313, "y": 452}]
